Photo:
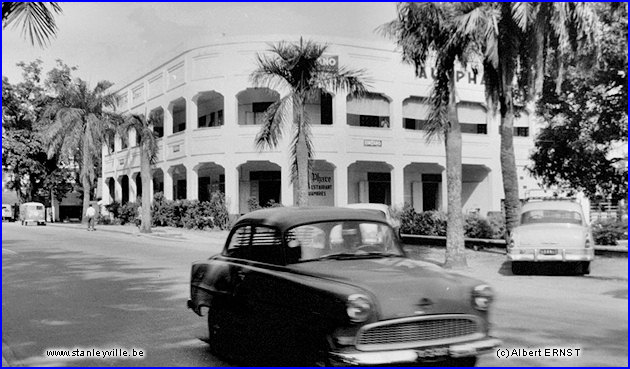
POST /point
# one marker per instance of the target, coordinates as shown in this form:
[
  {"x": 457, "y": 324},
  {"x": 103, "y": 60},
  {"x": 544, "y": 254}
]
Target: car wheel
[
  {"x": 583, "y": 268},
  {"x": 465, "y": 361},
  {"x": 214, "y": 334},
  {"x": 518, "y": 268}
]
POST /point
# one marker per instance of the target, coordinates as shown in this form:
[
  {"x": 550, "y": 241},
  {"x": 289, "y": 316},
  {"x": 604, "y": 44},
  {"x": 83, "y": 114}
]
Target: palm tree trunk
[
  {"x": 85, "y": 180},
  {"x": 145, "y": 179},
  {"x": 455, "y": 250},
  {"x": 301, "y": 154},
  {"x": 508, "y": 162}
]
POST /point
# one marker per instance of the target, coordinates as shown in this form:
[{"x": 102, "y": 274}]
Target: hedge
[
  {"x": 608, "y": 232},
  {"x": 433, "y": 223}
]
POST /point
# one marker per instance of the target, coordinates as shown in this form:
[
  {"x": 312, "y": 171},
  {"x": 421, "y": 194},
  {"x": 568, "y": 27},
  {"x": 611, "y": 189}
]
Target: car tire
[
  {"x": 583, "y": 268},
  {"x": 518, "y": 268},
  {"x": 464, "y": 361},
  {"x": 214, "y": 334}
]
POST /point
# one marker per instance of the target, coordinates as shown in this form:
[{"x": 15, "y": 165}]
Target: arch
[
  {"x": 259, "y": 184},
  {"x": 371, "y": 110},
  {"x": 252, "y": 104},
  {"x": 210, "y": 105},
  {"x": 158, "y": 116},
  {"x": 178, "y": 174},
  {"x": 211, "y": 178},
  {"x": 370, "y": 181},
  {"x": 177, "y": 108}
]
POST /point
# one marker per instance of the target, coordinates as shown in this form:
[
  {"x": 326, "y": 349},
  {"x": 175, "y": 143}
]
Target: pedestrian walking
[{"x": 90, "y": 214}]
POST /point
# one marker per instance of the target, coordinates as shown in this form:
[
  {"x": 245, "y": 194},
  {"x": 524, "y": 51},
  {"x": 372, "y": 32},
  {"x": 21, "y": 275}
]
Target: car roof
[
  {"x": 33, "y": 203},
  {"x": 287, "y": 217},
  {"x": 369, "y": 205},
  {"x": 552, "y": 205}
]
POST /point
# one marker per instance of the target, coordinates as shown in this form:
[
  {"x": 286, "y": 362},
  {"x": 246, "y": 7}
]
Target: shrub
[
  {"x": 477, "y": 227},
  {"x": 428, "y": 223},
  {"x": 128, "y": 213},
  {"x": 191, "y": 214},
  {"x": 407, "y": 218},
  {"x": 105, "y": 220},
  {"x": 252, "y": 204},
  {"x": 113, "y": 208},
  {"x": 161, "y": 212},
  {"x": 497, "y": 223},
  {"x": 219, "y": 210},
  {"x": 608, "y": 232}
]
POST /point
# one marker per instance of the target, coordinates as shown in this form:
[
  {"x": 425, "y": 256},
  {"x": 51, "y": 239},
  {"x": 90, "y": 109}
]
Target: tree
[
  {"x": 36, "y": 18},
  {"x": 297, "y": 68},
  {"x": 515, "y": 41},
  {"x": 148, "y": 156},
  {"x": 587, "y": 120},
  {"x": 79, "y": 122},
  {"x": 33, "y": 176},
  {"x": 424, "y": 32}
]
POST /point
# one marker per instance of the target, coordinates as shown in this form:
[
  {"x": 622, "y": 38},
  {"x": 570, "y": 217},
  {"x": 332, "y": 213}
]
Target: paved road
[{"x": 69, "y": 288}]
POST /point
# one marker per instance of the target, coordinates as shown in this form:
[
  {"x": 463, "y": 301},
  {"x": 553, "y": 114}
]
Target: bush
[
  {"x": 608, "y": 232},
  {"x": 113, "y": 208},
  {"x": 477, "y": 227},
  {"x": 128, "y": 213},
  {"x": 105, "y": 220},
  {"x": 428, "y": 223},
  {"x": 497, "y": 222},
  {"x": 191, "y": 214}
]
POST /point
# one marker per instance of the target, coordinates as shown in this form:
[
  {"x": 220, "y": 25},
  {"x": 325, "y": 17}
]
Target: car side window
[
  {"x": 257, "y": 243},
  {"x": 239, "y": 243}
]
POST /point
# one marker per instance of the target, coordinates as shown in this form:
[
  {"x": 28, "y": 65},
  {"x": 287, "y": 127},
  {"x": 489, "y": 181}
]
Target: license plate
[
  {"x": 548, "y": 251},
  {"x": 432, "y": 352}
]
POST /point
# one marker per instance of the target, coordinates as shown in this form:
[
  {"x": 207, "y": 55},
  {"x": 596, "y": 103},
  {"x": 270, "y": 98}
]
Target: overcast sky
[{"x": 111, "y": 40}]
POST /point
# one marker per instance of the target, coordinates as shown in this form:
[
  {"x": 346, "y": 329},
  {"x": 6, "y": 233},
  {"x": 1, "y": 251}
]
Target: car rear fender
[{"x": 205, "y": 284}]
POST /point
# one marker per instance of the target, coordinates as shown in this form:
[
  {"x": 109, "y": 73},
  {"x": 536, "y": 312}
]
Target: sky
[{"x": 111, "y": 41}]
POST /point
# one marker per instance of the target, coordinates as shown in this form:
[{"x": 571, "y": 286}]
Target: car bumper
[
  {"x": 561, "y": 255},
  {"x": 408, "y": 356}
]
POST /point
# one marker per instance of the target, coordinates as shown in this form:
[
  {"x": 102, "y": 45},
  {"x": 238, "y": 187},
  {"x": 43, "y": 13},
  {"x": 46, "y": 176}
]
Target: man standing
[{"x": 90, "y": 214}]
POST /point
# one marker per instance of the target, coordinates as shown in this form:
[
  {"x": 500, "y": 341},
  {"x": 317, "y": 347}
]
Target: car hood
[
  {"x": 550, "y": 235},
  {"x": 400, "y": 287}
]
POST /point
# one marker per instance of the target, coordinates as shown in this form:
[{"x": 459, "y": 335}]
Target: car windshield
[
  {"x": 551, "y": 216},
  {"x": 339, "y": 240}
]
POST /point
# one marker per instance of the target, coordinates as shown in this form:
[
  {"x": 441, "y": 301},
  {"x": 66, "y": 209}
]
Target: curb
[{"x": 174, "y": 237}]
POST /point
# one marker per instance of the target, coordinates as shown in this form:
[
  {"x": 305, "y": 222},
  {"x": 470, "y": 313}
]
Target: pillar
[
  {"x": 168, "y": 184},
  {"x": 192, "y": 183},
  {"x": 231, "y": 188},
  {"x": 341, "y": 184},
  {"x": 398, "y": 186}
]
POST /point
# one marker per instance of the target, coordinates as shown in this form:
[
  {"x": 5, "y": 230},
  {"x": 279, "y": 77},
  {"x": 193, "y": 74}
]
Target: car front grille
[{"x": 415, "y": 332}]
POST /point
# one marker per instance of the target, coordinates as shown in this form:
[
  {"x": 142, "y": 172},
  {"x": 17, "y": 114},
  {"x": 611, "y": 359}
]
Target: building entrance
[
  {"x": 265, "y": 186},
  {"x": 379, "y": 188}
]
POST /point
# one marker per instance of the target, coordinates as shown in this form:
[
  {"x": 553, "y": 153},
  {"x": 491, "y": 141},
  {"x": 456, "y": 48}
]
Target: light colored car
[
  {"x": 551, "y": 231},
  {"x": 382, "y": 210}
]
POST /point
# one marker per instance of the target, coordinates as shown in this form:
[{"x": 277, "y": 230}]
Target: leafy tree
[
  {"x": 296, "y": 68},
  {"x": 586, "y": 122},
  {"x": 79, "y": 122},
  {"x": 514, "y": 41},
  {"x": 425, "y": 33},
  {"x": 148, "y": 156},
  {"x": 36, "y": 18},
  {"x": 34, "y": 176}
]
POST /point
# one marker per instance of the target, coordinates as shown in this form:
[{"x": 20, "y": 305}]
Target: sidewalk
[{"x": 169, "y": 233}]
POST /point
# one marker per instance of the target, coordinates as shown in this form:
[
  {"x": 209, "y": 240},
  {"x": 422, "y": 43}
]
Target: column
[
  {"x": 133, "y": 188},
  {"x": 341, "y": 184},
  {"x": 106, "y": 198},
  {"x": 118, "y": 189},
  {"x": 444, "y": 193},
  {"x": 231, "y": 188},
  {"x": 192, "y": 183},
  {"x": 398, "y": 186},
  {"x": 286, "y": 187},
  {"x": 168, "y": 120},
  {"x": 168, "y": 184},
  {"x": 150, "y": 187}
]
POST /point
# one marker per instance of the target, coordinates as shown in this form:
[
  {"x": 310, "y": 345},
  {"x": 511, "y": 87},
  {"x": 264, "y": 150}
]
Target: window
[
  {"x": 415, "y": 124},
  {"x": 256, "y": 243},
  {"x": 551, "y": 216},
  {"x": 479, "y": 129},
  {"x": 368, "y": 121},
  {"x": 521, "y": 131},
  {"x": 213, "y": 119},
  {"x": 347, "y": 239}
]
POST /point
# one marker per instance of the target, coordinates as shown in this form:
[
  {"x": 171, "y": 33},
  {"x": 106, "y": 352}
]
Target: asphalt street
[{"x": 66, "y": 288}]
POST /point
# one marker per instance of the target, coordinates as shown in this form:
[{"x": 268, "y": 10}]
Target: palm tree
[
  {"x": 297, "y": 68},
  {"x": 37, "y": 19},
  {"x": 519, "y": 44},
  {"x": 148, "y": 156},
  {"x": 79, "y": 122},
  {"x": 424, "y": 32}
]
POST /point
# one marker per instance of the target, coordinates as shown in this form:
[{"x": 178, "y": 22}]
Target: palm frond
[
  {"x": 36, "y": 18},
  {"x": 274, "y": 119}
]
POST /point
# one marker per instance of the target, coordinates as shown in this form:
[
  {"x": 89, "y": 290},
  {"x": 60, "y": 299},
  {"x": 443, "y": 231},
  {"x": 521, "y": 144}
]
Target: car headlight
[
  {"x": 358, "y": 308},
  {"x": 482, "y": 296}
]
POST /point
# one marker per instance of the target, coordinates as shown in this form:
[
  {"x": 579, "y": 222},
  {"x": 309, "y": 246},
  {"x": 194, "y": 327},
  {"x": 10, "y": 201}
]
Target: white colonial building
[{"x": 372, "y": 149}]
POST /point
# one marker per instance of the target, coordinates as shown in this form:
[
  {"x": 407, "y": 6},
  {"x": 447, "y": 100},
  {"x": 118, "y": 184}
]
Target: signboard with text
[{"x": 321, "y": 188}]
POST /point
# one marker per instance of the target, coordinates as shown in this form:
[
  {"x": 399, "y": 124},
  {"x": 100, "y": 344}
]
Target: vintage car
[
  {"x": 551, "y": 230},
  {"x": 32, "y": 212},
  {"x": 7, "y": 212},
  {"x": 382, "y": 210},
  {"x": 303, "y": 286}
]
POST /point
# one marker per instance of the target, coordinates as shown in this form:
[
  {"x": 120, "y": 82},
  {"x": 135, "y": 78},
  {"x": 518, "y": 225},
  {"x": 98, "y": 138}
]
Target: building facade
[{"x": 370, "y": 149}]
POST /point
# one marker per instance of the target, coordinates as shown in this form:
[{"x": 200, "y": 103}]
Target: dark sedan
[{"x": 332, "y": 286}]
